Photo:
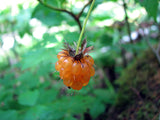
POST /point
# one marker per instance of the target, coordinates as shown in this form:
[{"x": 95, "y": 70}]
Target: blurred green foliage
[{"x": 30, "y": 88}]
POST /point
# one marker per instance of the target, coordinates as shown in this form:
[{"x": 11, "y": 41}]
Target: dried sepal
[
  {"x": 83, "y": 45},
  {"x": 70, "y": 49},
  {"x": 88, "y": 49},
  {"x": 82, "y": 50}
]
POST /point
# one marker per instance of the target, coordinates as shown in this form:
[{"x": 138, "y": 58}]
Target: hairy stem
[{"x": 84, "y": 25}]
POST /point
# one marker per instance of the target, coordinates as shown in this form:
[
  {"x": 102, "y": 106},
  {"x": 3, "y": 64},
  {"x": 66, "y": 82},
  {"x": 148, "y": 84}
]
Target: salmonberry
[{"x": 75, "y": 69}]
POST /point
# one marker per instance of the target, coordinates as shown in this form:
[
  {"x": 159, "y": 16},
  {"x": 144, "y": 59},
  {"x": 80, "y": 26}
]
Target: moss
[{"x": 137, "y": 85}]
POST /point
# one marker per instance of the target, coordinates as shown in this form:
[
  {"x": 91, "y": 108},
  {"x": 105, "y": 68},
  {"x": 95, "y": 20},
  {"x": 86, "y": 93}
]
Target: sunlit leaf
[
  {"x": 33, "y": 58},
  {"x": 51, "y": 17},
  {"x": 151, "y": 7}
]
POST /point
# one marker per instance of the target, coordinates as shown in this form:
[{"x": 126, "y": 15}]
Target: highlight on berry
[{"x": 75, "y": 69}]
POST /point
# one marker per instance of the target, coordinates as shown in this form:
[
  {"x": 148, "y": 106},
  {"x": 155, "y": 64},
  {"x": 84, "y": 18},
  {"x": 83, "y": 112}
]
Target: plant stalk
[{"x": 83, "y": 28}]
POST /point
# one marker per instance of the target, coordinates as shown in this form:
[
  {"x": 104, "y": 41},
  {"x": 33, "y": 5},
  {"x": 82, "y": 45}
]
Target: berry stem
[{"x": 84, "y": 25}]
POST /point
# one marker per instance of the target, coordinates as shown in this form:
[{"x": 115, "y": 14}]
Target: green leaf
[
  {"x": 8, "y": 115},
  {"x": 70, "y": 37},
  {"x": 48, "y": 113},
  {"x": 28, "y": 80},
  {"x": 35, "y": 57},
  {"x": 8, "y": 80},
  {"x": 137, "y": 48},
  {"x": 49, "y": 38},
  {"x": 47, "y": 16},
  {"x": 47, "y": 95},
  {"x": 6, "y": 95},
  {"x": 69, "y": 117},
  {"x": 35, "y": 113},
  {"x": 73, "y": 105},
  {"x": 106, "y": 40},
  {"x": 105, "y": 95},
  {"x": 55, "y": 3},
  {"x": 51, "y": 17},
  {"x": 97, "y": 109},
  {"x": 22, "y": 21},
  {"x": 28, "y": 98},
  {"x": 26, "y": 28},
  {"x": 151, "y": 7}
]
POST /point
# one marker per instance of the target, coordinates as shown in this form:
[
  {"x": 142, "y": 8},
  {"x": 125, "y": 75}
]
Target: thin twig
[
  {"x": 57, "y": 9},
  {"x": 137, "y": 93},
  {"x": 139, "y": 96},
  {"x": 156, "y": 116},
  {"x": 63, "y": 10},
  {"x": 158, "y": 48},
  {"x": 127, "y": 23},
  {"x": 80, "y": 13},
  {"x": 123, "y": 50}
]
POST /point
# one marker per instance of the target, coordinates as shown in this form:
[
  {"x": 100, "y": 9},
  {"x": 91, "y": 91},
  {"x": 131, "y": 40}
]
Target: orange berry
[
  {"x": 86, "y": 83},
  {"x": 61, "y": 72},
  {"x": 77, "y": 84},
  {"x": 85, "y": 79},
  {"x": 67, "y": 63},
  {"x": 85, "y": 69},
  {"x": 57, "y": 66},
  {"x": 89, "y": 59},
  {"x": 75, "y": 70},
  {"x": 67, "y": 80},
  {"x": 67, "y": 75},
  {"x": 92, "y": 71},
  {"x": 61, "y": 59}
]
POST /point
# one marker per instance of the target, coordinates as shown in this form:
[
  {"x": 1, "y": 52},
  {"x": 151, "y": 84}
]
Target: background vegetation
[{"x": 125, "y": 36}]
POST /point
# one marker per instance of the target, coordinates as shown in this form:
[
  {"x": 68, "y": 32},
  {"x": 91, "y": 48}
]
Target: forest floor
[{"x": 139, "y": 91}]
